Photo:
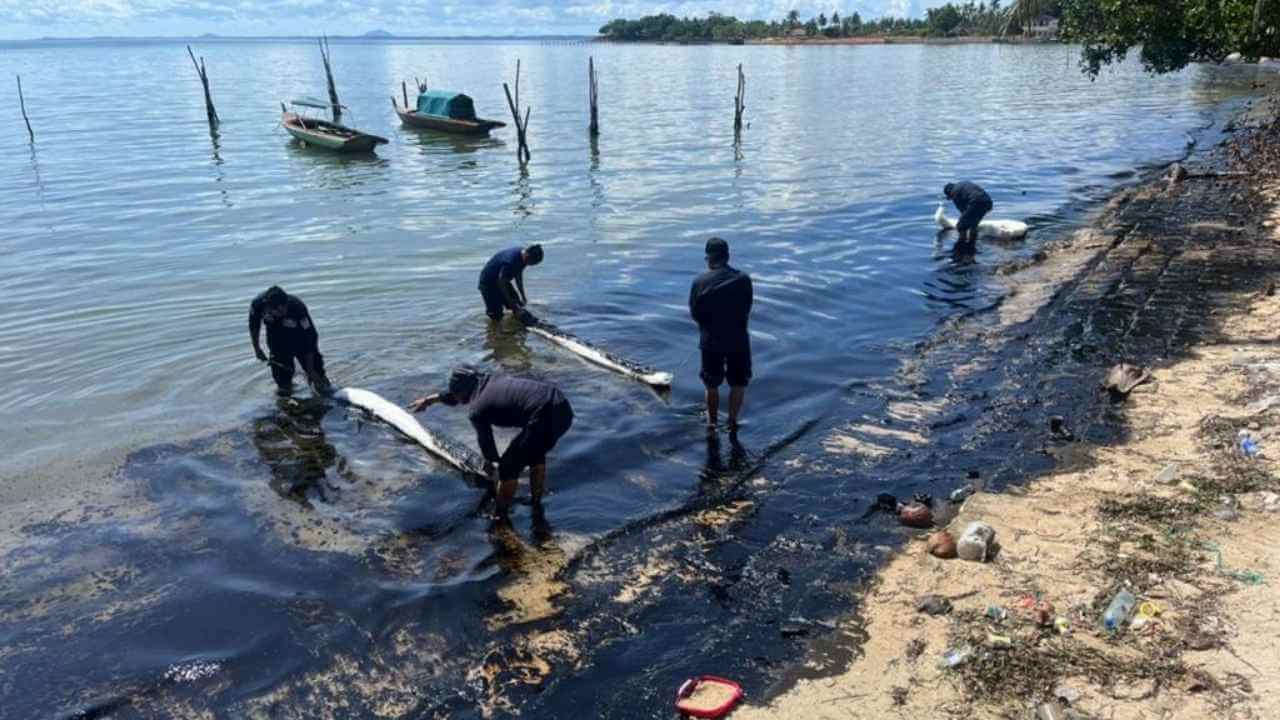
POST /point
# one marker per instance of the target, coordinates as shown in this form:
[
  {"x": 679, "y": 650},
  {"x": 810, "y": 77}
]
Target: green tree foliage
[{"x": 1170, "y": 33}]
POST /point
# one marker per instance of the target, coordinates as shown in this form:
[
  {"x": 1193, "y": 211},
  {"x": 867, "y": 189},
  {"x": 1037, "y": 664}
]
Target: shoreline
[{"x": 1192, "y": 259}]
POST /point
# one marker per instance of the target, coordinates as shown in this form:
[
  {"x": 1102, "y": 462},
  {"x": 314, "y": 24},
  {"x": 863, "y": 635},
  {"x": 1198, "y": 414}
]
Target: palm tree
[{"x": 793, "y": 18}]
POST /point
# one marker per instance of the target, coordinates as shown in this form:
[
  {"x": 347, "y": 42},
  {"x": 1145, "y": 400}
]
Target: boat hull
[
  {"x": 414, "y": 119},
  {"x": 330, "y": 136}
]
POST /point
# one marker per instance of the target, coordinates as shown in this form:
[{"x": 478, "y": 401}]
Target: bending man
[
  {"x": 720, "y": 302},
  {"x": 291, "y": 335},
  {"x": 502, "y": 282},
  {"x": 973, "y": 203},
  {"x": 539, "y": 409}
]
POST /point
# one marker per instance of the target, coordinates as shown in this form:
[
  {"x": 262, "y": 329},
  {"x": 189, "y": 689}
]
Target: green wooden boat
[
  {"x": 325, "y": 134},
  {"x": 445, "y": 111}
]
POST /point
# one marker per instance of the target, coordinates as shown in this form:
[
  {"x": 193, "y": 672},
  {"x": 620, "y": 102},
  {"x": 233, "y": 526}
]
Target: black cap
[
  {"x": 717, "y": 249},
  {"x": 462, "y": 383},
  {"x": 533, "y": 254}
]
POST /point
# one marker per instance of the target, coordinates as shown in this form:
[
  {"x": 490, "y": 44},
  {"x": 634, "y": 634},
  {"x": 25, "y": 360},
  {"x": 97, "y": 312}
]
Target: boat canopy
[
  {"x": 313, "y": 103},
  {"x": 446, "y": 103}
]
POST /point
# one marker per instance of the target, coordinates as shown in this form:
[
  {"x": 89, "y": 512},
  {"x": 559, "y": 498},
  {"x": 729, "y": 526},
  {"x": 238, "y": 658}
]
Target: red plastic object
[{"x": 692, "y": 684}]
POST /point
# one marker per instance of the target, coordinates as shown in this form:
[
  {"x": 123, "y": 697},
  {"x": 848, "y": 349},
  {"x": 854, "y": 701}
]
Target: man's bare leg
[
  {"x": 736, "y": 397},
  {"x": 713, "y": 407},
  {"x": 537, "y": 483},
  {"x": 506, "y": 494}
]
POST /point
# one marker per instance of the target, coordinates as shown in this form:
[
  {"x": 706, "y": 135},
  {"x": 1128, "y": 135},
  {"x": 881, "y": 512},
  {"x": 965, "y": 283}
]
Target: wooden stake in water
[
  {"x": 210, "y": 112},
  {"x": 326, "y": 55},
  {"x": 593, "y": 97},
  {"x": 739, "y": 102},
  {"x": 522, "y": 126},
  {"x": 23, "y": 103}
]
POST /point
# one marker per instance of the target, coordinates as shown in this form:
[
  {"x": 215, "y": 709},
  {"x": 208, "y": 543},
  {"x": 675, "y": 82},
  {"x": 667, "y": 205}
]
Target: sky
[{"x": 26, "y": 19}]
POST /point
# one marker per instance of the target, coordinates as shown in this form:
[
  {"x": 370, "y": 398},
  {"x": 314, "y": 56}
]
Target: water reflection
[
  {"x": 435, "y": 143},
  {"x": 292, "y": 444},
  {"x": 506, "y": 343},
  {"x": 715, "y": 467}
]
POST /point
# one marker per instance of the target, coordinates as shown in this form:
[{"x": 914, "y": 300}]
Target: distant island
[
  {"x": 378, "y": 34},
  {"x": 947, "y": 21}
]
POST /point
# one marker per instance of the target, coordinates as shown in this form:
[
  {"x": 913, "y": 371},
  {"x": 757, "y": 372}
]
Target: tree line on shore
[
  {"x": 1168, "y": 35},
  {"x": 968, "y": 18}
]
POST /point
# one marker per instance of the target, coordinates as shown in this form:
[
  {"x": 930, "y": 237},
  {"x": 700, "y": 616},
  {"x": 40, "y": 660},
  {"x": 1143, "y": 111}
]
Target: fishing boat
[
  {"x": 446, "y": 111},
  {"x": 325, "y": 134}
]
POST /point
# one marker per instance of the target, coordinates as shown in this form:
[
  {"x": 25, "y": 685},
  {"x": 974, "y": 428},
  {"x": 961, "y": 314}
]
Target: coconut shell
[
  {"x": 915, "y": 514},
  {"x": 942, "y": 545}
]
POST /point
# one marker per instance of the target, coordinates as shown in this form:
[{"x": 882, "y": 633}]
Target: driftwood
[
  {"x": 739, "y": 101},
  {"x": 23, "y": 104},
  {"x": 522, "y": 126},
  {"x": 209, "y": 110},
  {"x": 326, "y": 55},
  {"x": 593, "y": 96}
]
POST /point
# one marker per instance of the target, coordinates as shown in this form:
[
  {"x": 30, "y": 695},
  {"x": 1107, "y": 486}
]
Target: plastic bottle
[
  {"x": 1119, "y": 610},
  {"x": 1247, "y": 444},
  {"x": 955, "y": 657}
]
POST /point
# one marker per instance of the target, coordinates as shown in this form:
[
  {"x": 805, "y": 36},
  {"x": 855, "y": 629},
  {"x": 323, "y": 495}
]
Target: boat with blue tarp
[{"x": 446, "y": 111}]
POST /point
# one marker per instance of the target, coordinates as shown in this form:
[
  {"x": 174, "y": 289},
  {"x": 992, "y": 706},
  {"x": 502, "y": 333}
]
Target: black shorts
[
  {"x": 494, "y": 301},
  {"x": 531, "y": 446},
  {"x": 971, "y": 217},
  {"x": 717, "y": 366}
]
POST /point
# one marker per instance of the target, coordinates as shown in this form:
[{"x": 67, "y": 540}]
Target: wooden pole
[
  {"x": 739, "y": 104},
  {"x": 23, "y": 103},
  {"x": 593, "y": 96},
  {"x": 210, "y": 112},
  {"x": 325, "y": 55},
  {"x": 522, "y": 126},
  {"x": 404, "y": 88}
]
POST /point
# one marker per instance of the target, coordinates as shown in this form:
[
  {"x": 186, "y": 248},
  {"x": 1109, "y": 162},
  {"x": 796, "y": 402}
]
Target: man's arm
[
  {"x": 693, "y": 302},
  {"x": 424, "y": 402},
  {"x": 255, "y": 327},
  {"x": 484, "y": 438},
  {"x": 524, "y": 299},
  {"x": 309, "y": 327},
  {"x": 751, "y": 294},
  {"x": 508, "y": 292}
]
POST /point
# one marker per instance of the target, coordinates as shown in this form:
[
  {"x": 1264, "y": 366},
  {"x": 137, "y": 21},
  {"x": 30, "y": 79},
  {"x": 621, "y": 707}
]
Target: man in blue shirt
[
  {"x": 539, "y": 409},
  {"x": 502, "y": 282},
  {"x": 720, "y": 302},
  {"x": 973, "y": 203}
]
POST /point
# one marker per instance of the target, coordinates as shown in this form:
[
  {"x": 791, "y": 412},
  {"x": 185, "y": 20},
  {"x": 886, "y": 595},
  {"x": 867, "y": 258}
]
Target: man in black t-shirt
[
  {"x": 539, "y": 409},
  {"x": 720, "y": 302},
  {"x": 291, "y": 335},
  {"x": 973, "y": 203}
]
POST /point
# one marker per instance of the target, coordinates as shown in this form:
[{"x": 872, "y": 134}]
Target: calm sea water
[{"x": 175, "y": 539}]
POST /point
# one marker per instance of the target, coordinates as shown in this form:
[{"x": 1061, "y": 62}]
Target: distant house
[
  {"x": 797, "y": 32},
  {"x": 1044, "y": 27}
]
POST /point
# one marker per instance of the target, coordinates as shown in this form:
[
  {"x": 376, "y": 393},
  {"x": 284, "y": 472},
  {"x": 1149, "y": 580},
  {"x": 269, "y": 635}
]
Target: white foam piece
[
  {"x": 599, "y": 357},
  {"x": 999, "y": 229},
  {"x": 404, "y": 421}
]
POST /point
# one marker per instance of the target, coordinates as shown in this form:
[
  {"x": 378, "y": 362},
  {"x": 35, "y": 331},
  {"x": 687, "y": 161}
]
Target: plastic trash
[
  {"x": 1168, "y": 475},
  {"x": 955, "y": 657},
  {"x": 1119, "y": 610},
  {"x": 1270, "y": 502},
  {"x": 1050, "y": 711},
  {"x": 999, "y": 641},
  {"x": 915, "y": 514},
  {"x": 942, "y": 545},
  {"x": 997, "y": 613},
  {"x": 1247, "y": 444},
  {"x": 707, "y": 696},
  {"x": 961, "y": 494},
  {"x": 1062, "y": 625},
  {"x": 975, "y": 543}
]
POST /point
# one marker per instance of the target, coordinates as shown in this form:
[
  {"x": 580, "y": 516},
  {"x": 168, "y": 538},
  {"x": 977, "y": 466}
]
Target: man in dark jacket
[
  {"x": 291, "y": 335},
  {"x": 720, "y": 302},
  {"x": 539, "y": 409},
  {"x": 502, "y": 282},
  {"x": 973, "y": 203}
]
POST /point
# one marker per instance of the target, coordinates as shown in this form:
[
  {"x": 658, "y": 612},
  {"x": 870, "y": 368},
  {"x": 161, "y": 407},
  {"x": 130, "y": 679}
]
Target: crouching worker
[
  {"x": 291, "y": 335},
  {"x": 539, "y": 409},
  {"x": 973, "y": 203},
  {"x": 502, "y": 283}
]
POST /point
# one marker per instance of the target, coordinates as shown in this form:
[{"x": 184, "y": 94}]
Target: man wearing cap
[
  {"x": 973, "y": 203},
  {"x": 502, "y": 282},
  {"x": 291, "y": 335},
  {"x": 720, "y": 302},
  {"x": 539, "y": 409}
]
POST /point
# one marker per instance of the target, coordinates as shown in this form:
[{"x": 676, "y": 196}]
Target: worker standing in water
[
  {"x": 720, "y": 302},
  {"x": 291, "y": 335},
  {"x": 973, "y": 203},
  {"x": 538, "y": 408},
  {"x": 502, "y": 282}
]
